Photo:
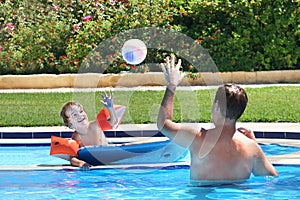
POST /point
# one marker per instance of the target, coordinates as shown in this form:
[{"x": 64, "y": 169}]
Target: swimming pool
[
  {"x": 39, "y": 155},
  {"x": 171, "y": 182},
  {"x": 141, "y": 184}
]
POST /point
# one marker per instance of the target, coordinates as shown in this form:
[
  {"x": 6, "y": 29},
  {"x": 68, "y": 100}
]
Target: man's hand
[
  {"x": 248, "y": 133},
  {"x": 171, "y": 72},
  {"x": 107, "y": 99}
]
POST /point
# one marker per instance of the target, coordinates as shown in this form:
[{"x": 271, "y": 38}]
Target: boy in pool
[
  {"x": 88, "y": 133},
  {"x": 220, "y": 153}
]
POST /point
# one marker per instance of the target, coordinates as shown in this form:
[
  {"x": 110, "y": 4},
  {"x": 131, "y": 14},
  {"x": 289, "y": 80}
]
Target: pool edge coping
[{"x": 261, "y": 130}]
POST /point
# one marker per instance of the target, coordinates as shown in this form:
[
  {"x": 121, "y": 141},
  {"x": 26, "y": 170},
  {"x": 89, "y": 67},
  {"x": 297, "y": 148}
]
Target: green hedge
[{"x": 55, "y": 36}]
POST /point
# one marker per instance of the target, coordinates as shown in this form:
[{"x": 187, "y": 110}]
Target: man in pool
[
  {"x": 88, "y": 133},
  {"x": 220, "y": 153}
]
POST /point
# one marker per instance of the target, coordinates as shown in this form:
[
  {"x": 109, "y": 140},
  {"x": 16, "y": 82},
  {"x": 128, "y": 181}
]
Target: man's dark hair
[{"x": 232, "y": 100}]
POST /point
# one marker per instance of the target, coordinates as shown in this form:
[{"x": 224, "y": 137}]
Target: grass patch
[{"x": 268, "y": 104}]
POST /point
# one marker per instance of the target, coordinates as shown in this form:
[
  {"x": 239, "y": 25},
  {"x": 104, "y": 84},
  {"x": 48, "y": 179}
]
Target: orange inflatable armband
[
  {"x": 103, "y": 116},
  {"x": 64, "y": 146}
]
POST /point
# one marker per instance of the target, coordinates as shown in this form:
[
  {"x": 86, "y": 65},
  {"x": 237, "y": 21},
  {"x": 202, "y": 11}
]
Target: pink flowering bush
[
  {"x": 87, "y": 18},
  {"x": 56, "y": 36}
]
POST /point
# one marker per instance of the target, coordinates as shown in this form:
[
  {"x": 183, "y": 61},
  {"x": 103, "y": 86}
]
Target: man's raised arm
[{"x": 173, "y": 78}]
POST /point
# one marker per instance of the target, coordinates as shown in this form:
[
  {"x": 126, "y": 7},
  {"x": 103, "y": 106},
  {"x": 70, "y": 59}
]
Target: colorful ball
[{"x": 134, "y": 51}]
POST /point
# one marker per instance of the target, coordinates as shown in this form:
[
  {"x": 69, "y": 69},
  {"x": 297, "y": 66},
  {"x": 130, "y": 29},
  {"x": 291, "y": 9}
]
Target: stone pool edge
[{"x": 261, "y": 130}]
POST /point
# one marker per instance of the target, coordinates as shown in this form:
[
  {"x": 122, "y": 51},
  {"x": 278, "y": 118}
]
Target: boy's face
[{"x": 77, "y": 116}]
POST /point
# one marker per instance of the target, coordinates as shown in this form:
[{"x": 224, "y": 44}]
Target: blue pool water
[
  {"x": 141, "y": 184},
  {"x": 147, "y": 183},
  {"x": 36, "y": 155}
]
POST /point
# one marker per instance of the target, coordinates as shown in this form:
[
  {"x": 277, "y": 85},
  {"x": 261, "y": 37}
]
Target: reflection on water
[{"x": 156, "y": 183}]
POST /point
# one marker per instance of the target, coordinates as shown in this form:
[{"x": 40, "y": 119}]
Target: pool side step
[{"x": 286, "y": 159}]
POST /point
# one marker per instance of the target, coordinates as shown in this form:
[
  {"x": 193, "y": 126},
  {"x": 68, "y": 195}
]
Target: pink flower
[
  {"x": 112, "y": 2},
  {"x": 87, "y": 18},
  {"x": 1, "y": 48},
  {"x": 10, "y": 25},
  {"x": 75, "y": 27},
  {"x": 56, "y": 7}
]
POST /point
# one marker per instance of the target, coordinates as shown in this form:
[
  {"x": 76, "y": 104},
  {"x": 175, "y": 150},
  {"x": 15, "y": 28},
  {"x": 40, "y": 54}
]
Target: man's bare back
[{"x": 227, "y": 159}]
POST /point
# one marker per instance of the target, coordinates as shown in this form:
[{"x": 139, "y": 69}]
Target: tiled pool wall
[{"x": 129, "y": 133}]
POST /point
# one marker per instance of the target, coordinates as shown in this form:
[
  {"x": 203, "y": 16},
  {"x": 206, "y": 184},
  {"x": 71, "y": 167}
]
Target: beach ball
[{"x": 134, "y": 51}]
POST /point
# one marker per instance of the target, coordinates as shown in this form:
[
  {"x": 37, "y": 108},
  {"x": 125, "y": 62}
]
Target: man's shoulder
[
  {"x": 246, "y": 143},
  {"x": 242, "y": 137}
]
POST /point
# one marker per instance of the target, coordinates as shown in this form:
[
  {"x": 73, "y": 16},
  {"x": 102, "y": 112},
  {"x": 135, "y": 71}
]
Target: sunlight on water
[{"x": 129, "y": 184}]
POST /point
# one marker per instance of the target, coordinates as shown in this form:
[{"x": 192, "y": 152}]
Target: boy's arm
[
  {"x": 113, "y": 119},
  {"x": 108, "y": 103},
  {"x": 78, "y": 163},
  {"x": 74, "y": 161}
]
